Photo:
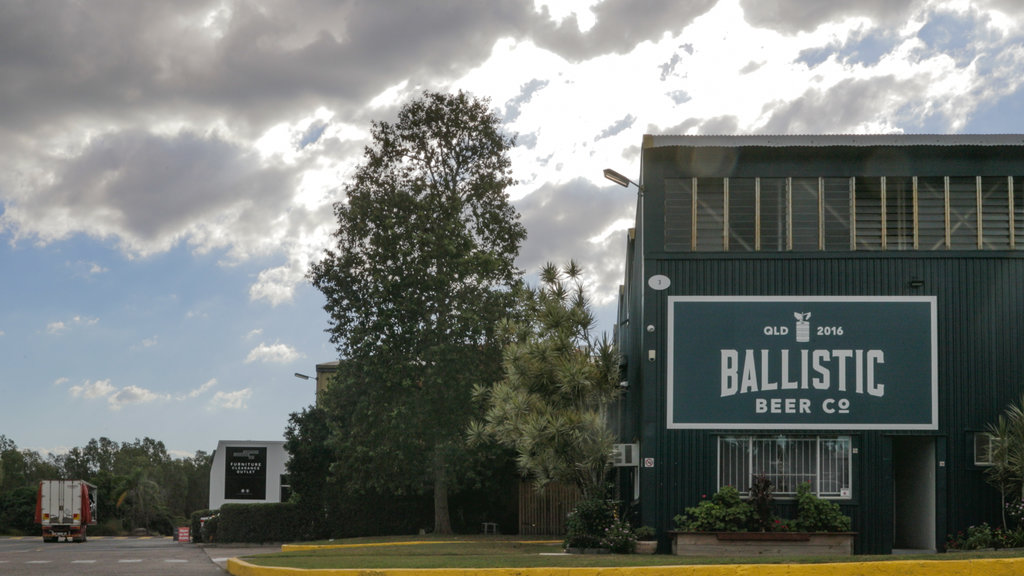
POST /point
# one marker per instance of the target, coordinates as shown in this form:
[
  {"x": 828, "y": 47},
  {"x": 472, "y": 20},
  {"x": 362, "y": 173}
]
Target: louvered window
[
  {"x": 899, "y": 213},
  {"x": 710, "y": 214},
  {"x": 1017, "y": 183},
  {"x": 805, "y": 214},
  {"x": 742, "y": 214},
  {"x": 995, "y": 213},
  {"x": 774, "y": 210},
  {"x": 836, "y": 213},
  {"x": 963, "y": 213},
  {"x": 678, "y": 214},
  {"x": 863, "y": 213},
  {"x": 867, "y": 196},
  {"x": 931, "y": 213}
]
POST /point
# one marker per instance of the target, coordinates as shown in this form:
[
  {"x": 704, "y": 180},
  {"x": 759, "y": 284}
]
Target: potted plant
[{"x": 646, "y": 540}]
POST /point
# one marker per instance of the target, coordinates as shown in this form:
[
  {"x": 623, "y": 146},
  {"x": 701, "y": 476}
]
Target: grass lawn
[{"x": 520, "y": 552}]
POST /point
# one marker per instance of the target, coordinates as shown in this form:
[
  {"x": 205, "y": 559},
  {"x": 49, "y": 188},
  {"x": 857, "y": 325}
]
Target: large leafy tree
[
  {"x": 560, "y": 381},
  {"x": 309, "y": 464},
  {"x": 421, "y": 270}
]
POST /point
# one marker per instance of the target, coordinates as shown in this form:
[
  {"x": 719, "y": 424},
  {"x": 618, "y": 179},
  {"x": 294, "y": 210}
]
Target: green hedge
[
  {"x": 195, "y": 524},
  {"x": 262, "y": 523}
]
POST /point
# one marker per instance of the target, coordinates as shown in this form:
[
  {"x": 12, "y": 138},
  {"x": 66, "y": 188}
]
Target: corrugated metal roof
[{"x": 784, "y": 140}]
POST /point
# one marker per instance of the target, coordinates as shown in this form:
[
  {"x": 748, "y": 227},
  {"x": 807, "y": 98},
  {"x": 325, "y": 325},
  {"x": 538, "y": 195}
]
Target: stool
[{"x": 490, "y": 527}]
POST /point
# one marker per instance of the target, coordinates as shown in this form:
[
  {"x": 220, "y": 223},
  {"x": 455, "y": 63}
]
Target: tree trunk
[{"x": 442, "y": 520}]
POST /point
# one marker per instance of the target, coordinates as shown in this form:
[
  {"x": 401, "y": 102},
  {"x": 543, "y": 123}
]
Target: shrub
[
  {"x": 619, "y": 537},
  {"x": 984, "y": 536},
  {"x": 645, "y": 533},
  {"x": 725, "y": 512},
  {"x": 587, "y": 524},
  {"x": 1015, "y": 511},
  {"x": 817, "y": 515},
  {"x": 196, "y": 524},
  {"x": 763, "y": 502}
]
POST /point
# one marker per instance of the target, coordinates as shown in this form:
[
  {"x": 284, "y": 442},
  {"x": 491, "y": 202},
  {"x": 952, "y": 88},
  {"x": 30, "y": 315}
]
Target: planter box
[
  {"x": 762, "y": 543},
  {"x": 646, "y": 546}
]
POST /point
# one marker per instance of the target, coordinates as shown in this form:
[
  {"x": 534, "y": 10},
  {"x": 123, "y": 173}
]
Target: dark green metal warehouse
[{"x": 846, "y": 311}]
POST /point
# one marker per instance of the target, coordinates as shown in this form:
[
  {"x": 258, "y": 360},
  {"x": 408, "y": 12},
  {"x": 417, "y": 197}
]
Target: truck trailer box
[{"x": 64, "y": 508}]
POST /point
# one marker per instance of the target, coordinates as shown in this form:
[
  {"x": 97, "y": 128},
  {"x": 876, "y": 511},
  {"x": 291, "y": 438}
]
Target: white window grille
[{"x": 824, "y": 462}]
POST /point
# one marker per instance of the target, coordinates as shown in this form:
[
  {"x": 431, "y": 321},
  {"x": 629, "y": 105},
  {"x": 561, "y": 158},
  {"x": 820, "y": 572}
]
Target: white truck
[{"x": 64, "y": 508}]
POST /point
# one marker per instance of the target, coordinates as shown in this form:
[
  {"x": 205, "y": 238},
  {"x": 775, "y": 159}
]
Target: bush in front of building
[
  {"x": 984, "y": 537},
  {"x": 817, "y": 515},
  {"x": 595, "y": 523},
  {"x": 727, "y": 511},
  {"x": 724, "y": 512}
]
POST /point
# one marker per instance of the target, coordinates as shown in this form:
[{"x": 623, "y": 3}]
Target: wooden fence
[{"x": 544, "y": 512}]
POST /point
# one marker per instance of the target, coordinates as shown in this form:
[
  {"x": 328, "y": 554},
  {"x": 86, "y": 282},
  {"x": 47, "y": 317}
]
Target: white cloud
[
  {"x": 133, "y": 395},
  {"x": 277, "y": 353},
  {"x": 231, "y": 400},
  {"x": 91, "y": 390},
  {"x": 147, "y": 343},
  {"x": 60, "y": 327},
  {"x": 56, "y": 328},
  {"x": 275, "y": 285},
  {"x": 199, "y": 391}
]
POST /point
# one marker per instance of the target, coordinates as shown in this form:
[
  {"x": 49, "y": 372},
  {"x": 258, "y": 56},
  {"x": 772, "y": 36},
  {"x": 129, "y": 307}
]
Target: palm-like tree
[
  {"x": 560, "y": 380},
  {"x": 1007, "y": 470},
  {"x": 142, "y": 496}
]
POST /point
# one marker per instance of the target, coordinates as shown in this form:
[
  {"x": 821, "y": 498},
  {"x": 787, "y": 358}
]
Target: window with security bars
[{"x": 824, "y": 462}]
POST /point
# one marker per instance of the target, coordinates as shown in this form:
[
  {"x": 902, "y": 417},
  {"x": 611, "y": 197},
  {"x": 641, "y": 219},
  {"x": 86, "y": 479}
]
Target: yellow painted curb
[
  {"x": 978, "y": 567},
  {"x": 308, "y": 547}
]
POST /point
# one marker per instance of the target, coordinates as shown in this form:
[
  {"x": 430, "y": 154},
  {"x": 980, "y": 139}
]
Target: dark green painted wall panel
[{"x": 980, "y": 303}]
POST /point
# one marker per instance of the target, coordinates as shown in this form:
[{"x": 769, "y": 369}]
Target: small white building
[{"x": 248, "y": 472}]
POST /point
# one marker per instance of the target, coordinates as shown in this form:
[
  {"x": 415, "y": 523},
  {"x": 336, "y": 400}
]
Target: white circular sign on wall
[{"x": 658, "y": 282}]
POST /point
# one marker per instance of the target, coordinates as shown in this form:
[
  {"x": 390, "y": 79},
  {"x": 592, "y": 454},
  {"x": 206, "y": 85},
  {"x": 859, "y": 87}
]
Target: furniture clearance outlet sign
[{"x": 832, "y": 362}]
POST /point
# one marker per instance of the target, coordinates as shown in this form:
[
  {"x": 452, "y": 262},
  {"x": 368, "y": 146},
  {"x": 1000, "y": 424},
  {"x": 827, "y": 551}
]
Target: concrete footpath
[{"x": 975, "y": 567}]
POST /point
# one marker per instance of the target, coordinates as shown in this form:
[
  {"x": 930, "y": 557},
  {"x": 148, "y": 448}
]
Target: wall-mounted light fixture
[
  {"x": 916, "y": 283},
  {"x": 620, "y": 179}
]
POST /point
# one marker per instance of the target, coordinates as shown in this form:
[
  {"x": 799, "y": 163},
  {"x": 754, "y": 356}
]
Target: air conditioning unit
[{"x": 626, "y": 455}]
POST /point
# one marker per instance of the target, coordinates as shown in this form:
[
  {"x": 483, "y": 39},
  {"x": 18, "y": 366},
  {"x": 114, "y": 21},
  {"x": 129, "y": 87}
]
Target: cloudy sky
[{"x": 167, "y": 168}]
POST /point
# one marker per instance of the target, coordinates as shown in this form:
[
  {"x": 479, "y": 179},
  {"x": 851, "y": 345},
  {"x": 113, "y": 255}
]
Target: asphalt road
[{"x": 118, "y": 557}]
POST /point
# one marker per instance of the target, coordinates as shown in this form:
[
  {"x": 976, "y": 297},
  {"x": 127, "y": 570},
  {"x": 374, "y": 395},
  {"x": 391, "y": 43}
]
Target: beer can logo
[{"x": 803, "y": 326}]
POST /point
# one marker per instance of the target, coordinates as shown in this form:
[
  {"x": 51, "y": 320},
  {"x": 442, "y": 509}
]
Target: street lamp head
[
  {"x": 617, "y": 178},
  {"x": 303, "y": 376}
]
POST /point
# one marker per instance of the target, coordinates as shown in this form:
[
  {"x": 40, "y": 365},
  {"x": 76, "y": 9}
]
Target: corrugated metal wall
[{"x": 980, "y": 298}]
